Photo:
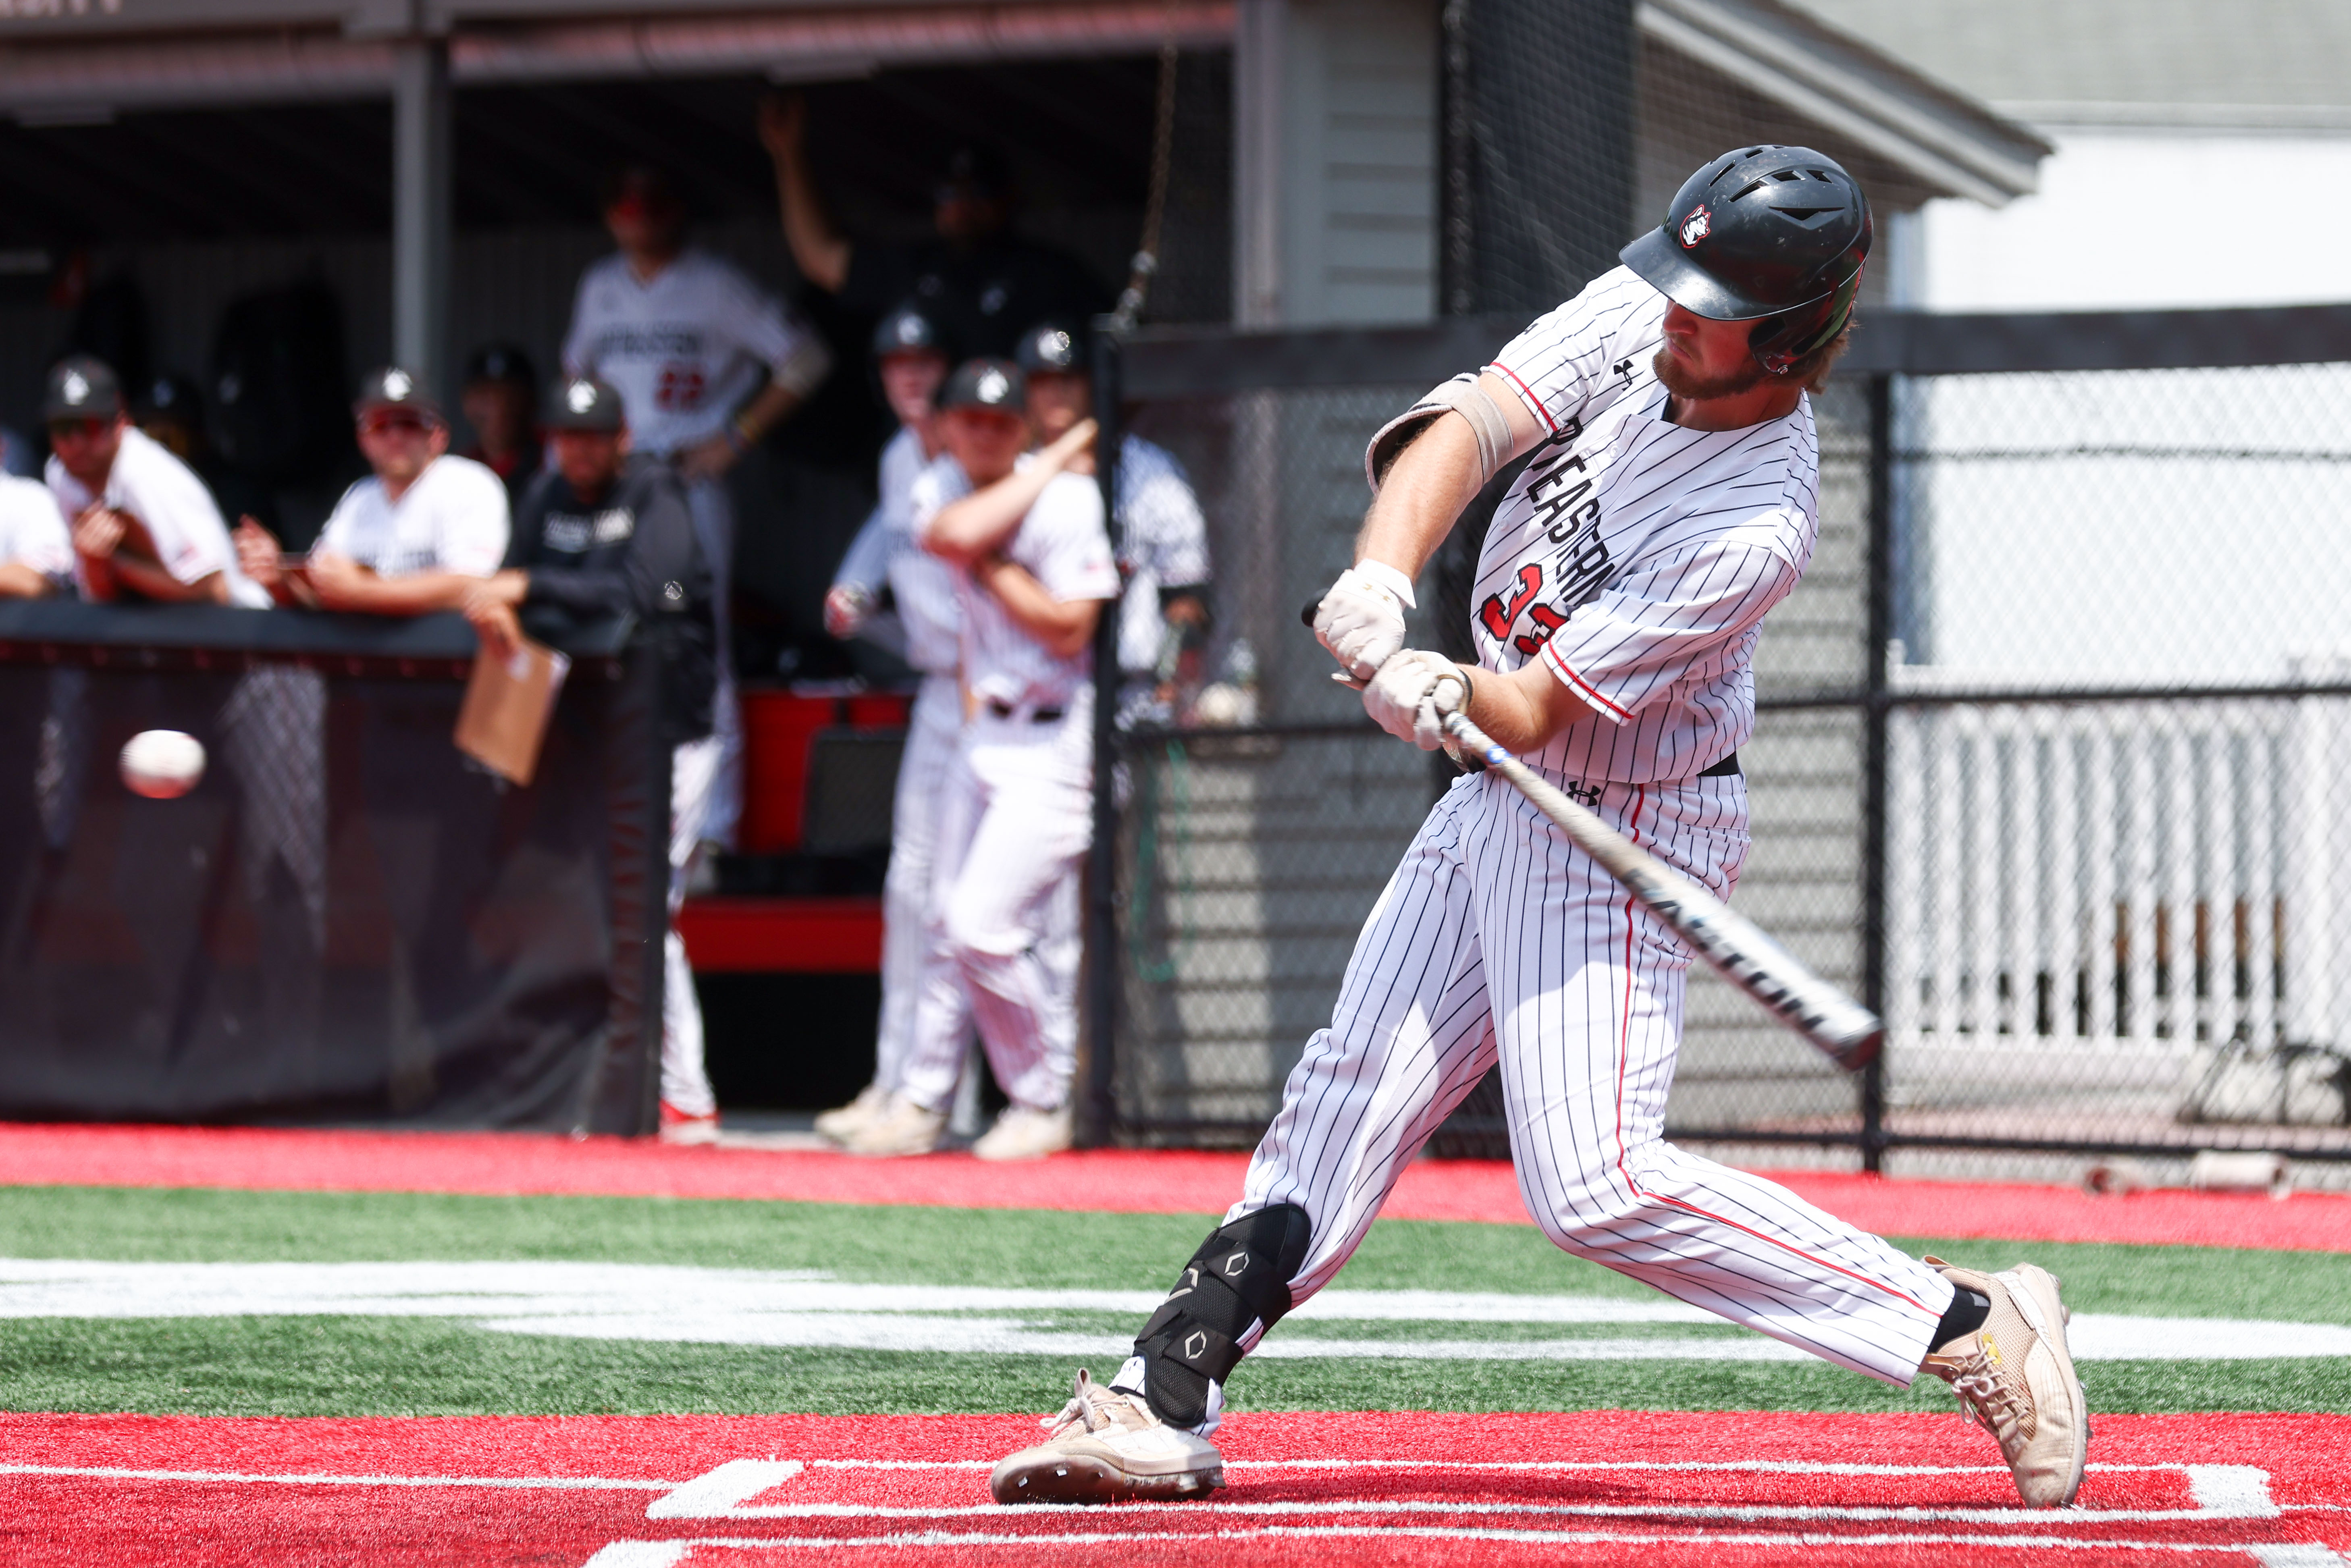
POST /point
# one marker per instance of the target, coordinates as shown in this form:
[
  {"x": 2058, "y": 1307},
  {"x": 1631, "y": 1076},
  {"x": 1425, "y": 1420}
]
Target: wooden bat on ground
[{"x": 1843, "y": 1029}]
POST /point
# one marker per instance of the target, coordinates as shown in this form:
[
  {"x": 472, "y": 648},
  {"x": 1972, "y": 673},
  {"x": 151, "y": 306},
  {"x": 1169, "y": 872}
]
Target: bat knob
[
  {"x": 1861, "y": 1050},
  {"x": 1306, "y": 616}
]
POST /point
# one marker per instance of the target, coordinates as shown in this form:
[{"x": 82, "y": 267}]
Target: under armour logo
[
  {"x": 1193, "y": 1344},
  {"x": 75, "y": 387},
  {"x": 580, "y": 396},
  {"x": 1584, "y": 795},
  {"x": 1624, "y": 367}
]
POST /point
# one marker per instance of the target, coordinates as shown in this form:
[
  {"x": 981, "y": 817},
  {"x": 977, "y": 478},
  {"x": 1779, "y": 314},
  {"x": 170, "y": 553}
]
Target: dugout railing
[{"x": 2048, "y": 767}]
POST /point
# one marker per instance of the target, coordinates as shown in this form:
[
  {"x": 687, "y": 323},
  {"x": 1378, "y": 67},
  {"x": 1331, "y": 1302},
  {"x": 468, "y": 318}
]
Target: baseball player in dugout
[
  {"x": 1162, "y": 613},
  {"x": 707, "y": 364},
  {"x": 607, "y": 532},
  {"x": 889, "y": 585},
  {"x": 499, "y": 395},
  {"x": 982, "y": 283},
  {"x": 1034, "y": 573},
  {"x": 1665, "y": 500},
  {"x": 415, "y": 536},
  {"x": 144, "y": 527}
]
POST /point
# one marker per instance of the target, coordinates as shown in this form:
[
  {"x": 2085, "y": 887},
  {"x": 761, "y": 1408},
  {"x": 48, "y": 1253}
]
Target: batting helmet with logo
[{"x": 1777, "y": 236}]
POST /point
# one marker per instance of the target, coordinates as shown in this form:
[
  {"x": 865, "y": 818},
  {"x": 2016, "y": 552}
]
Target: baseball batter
[
  {"x": 1669, "y": 503},
  {"x": 1017, "y": 811},
  {"x": 911, "y": 358}
]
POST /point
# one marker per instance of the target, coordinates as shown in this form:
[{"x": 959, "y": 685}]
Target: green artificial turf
[{"x": 360, "y": 1367}]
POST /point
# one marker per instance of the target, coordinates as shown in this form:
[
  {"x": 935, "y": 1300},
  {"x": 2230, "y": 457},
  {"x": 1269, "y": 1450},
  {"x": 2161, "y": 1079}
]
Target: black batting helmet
[
  {"x": 911, "y": 329},
  {"x": 1777, "y": 236},
  {"x": 1053, "y": 347}
]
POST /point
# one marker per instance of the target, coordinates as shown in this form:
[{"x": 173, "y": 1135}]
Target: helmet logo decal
[{"x": 1696, "y": 227}]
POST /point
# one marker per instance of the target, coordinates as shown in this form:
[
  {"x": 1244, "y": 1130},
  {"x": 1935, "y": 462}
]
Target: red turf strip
[
  {"x": 2286, "y": 1491},
  {"x": 1123, "y": 1181}
]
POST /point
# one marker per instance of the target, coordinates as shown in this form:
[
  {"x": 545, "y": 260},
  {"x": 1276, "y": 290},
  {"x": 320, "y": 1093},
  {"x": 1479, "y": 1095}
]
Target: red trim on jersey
[
  {"x": 1559, "y": 666},
  {"x": 1624, "y": 1054},
  {"x": 1527, "y": 393}
]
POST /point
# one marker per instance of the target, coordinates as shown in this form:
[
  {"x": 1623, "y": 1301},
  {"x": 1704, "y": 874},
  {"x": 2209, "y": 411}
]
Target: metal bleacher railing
[{"x": 2046, "y": 769}]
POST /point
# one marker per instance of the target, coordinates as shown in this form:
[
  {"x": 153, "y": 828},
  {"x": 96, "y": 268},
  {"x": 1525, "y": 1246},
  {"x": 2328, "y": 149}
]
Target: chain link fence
[{"x": 2075, "y": 834}]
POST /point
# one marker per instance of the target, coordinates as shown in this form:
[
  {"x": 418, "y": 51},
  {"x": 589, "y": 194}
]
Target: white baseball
[{"x": 162, "y": 764}]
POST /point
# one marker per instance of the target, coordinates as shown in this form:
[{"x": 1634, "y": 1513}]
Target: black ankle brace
[{"x": 1239, "y": 1276}]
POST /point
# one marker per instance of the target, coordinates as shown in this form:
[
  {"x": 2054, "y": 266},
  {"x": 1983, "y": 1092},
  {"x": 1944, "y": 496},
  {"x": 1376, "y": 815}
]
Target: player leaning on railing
[{"x": 1668, "y": 501}]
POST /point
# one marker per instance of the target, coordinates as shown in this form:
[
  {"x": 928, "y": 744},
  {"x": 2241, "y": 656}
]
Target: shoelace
[
  {"x": 1990, "y": 1398},
  {"x": 1085, "y": 1408}
]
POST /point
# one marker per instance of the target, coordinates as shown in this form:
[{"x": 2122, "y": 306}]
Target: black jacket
[{"x": 633, "y": 552}]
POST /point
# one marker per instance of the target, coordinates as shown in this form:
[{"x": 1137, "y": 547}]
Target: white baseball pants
[
  {"x": 694, "y": 769},
  {"x": 1017, "y": 818},
  {"x": 712, "y": 506},
  {"x": 1498, "y": 939},
  {"x": 924, "y": 770}
]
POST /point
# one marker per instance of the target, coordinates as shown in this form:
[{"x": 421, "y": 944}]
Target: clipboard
[{"x": 507, "y": 705}]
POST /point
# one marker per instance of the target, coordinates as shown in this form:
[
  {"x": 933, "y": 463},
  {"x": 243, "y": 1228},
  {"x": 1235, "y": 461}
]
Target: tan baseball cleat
[
  {"x": 843, "y": 1121},
  {"x": 1106, "y": 1445},
  {"x": 2015, "y": 1377},
  {"x": 901, "y": 1127},
  {"x": 1022, "y": 1134}
]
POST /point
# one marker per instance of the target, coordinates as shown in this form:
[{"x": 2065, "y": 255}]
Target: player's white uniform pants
[
  {"x": 713, "y": 508},
  {"x": 693, "y": 771},
  {"x": 924, "y": 770},
  {"x": 1498, "y": 938},
  {"x": 1018, "y": 817}
]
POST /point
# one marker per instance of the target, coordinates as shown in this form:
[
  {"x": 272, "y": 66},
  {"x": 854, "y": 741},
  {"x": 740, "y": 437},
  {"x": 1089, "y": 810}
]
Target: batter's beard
[{"x": 1692, "y": 388}]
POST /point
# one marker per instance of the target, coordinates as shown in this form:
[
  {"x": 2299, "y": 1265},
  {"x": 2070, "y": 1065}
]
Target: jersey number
[
  {"x": 680, "y": 387},
  {"x": 1500, "y": 617}
]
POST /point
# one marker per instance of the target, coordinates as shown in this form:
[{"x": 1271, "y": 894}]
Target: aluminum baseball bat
[{"x": 1843, "y": 1029}]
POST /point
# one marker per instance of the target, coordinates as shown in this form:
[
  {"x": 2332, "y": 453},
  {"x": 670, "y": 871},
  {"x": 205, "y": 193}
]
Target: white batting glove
[
  {"x": 846, "y": 607},
  {"x": 1413, "y": 692},
  {"x": 1361, "y": 621}
]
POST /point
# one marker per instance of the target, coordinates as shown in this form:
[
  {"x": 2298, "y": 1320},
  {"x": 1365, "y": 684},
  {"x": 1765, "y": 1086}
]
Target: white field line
[
  {"x": 658, "y": 1553},
  {"x": 2219, "y": 1491},
  {"x": 1539, "y": 1510},
  {"x": 660, "y": 1304},
  {"x": 1774, "y": 1467},
  {"x": 605, "y": 1483},
  {"x": 549, "y": 1483}
]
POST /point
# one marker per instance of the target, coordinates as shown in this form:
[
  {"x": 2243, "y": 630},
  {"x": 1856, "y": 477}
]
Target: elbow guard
[
  {"x": 1464, "y": 395},
  {"x": 1239, "y": 1280}
]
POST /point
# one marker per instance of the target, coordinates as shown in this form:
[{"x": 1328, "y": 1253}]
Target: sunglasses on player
[{"x": 64, "y": 430}]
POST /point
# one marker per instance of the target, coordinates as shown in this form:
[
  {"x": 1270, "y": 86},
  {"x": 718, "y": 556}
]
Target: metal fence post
[
  {"x": 1097, "y": 1110},
  {"x": 1874, "y": 742}
]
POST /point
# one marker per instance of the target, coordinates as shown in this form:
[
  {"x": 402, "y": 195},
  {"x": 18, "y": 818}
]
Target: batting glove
[
  {"x": 846, "y": 608},
  {"x": 1412, "y": 694},
  {"x": 1361, "y": 621}
]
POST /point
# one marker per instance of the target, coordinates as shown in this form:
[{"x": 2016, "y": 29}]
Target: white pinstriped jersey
[
  {"x": 1636, "y": 558},
  {"x": 1064, "y": 546},
  {"x": 685, "y": 349},
  {"x": 884, "y": 551},
  {"x": 1163, "y": 543}
]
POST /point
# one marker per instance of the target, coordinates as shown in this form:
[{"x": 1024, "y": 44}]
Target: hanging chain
[{"x": 1163, "y": 154}]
